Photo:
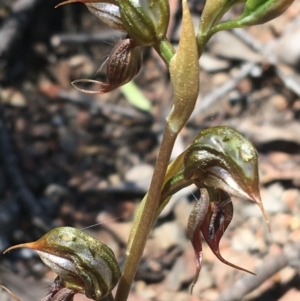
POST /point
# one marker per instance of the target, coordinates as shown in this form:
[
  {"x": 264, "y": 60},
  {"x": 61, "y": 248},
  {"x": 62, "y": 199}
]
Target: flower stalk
[{"x": 184, "y": 70}]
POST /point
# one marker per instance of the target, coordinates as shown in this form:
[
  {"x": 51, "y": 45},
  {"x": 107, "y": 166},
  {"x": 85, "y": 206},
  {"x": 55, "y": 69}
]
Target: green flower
[
  {"x": 83, "y": 264},
  {"x": 221, "y": 163}
]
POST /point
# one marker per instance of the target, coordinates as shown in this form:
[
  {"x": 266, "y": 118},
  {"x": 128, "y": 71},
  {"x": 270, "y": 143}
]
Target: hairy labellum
[
  {"x": 64, "y": 294},
  {"x": 55, "y": 287},
  {"x": 217, "y": 220},
  {"x": 61, "y": 294},
  {"x": 211, "y": 216}
]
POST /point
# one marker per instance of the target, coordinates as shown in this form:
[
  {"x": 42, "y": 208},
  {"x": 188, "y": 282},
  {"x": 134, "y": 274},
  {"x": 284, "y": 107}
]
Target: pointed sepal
[{"x": 84, "y": 264}]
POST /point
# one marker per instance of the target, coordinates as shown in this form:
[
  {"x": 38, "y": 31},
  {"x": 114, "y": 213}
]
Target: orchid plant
[{"x": 220, "y": 161}]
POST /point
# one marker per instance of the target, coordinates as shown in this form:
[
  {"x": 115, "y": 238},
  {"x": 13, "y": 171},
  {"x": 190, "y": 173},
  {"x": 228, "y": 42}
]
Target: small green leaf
[{"x": 136, "y": 97}]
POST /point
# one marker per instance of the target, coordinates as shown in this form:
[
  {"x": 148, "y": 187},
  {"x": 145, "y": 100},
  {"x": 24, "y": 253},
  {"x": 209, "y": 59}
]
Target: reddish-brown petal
[
  {"x": 195, "y": 221},
  {"x": 218, "y": 218}
]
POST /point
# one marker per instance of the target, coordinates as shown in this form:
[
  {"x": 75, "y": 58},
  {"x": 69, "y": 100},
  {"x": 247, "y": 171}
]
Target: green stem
[
  {"x": 202, "y": 40},
  {"x": 166, "y": 50},
  {"x": 225, "y": 26},
  {"x": 148, "y": 215}
]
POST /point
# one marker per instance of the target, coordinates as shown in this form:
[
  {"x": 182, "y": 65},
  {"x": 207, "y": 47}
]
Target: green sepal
[{"x": 145, "y": 21}]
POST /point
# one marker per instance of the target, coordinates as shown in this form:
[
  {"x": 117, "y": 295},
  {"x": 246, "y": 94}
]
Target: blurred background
[{"x": 73, "y": 159}]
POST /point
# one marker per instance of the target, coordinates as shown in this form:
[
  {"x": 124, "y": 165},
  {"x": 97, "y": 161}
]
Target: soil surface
[{"x": 74, "y": 159}]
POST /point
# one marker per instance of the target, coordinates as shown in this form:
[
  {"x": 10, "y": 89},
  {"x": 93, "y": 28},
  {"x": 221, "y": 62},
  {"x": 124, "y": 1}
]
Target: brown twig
[
  {"x": 92, "y": 103},
  {"x": 289, "y": 256},
  {"x": 211, "y": 98},
  {"x": 289, "y": 78}
]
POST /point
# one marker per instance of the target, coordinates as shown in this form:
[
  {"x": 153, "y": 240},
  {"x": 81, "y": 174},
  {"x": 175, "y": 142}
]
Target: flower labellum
[
  {"x": 211, "y": 216},
  {"x": 58, "y": 292}
]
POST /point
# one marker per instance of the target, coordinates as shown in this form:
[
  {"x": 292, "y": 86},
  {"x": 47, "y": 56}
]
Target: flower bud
[
  {"x": 145, "y": 21},
  {"x": 258, "y": 11},
  {"x": 255, "y": 12},
  {"x": 184, "y": 73},
  {"x": 123, "y": 64},
  {"x": 84, "y": 264}
]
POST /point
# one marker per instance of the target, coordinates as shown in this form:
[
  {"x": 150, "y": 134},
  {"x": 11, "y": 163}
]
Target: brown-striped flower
[{"x": 123, "y": 64}]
